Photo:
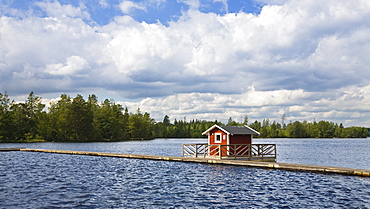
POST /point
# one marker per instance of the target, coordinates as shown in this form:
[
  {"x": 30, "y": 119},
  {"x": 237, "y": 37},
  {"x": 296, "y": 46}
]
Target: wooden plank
[{"x": 10, "y": 149}]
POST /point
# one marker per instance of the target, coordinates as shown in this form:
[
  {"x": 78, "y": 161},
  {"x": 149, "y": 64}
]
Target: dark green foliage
[
  {"x": 322, "y": 129},
  {"x": 24, "y": 119},
  {"x": 140, "y": 126},
  {"x": 296, "y": 130},
  {"x": 78, "y": 120},
  {"x": 72, "y": 120},
  {"x": 109, "y": 121},
  {"x": 5, "y": 123}
]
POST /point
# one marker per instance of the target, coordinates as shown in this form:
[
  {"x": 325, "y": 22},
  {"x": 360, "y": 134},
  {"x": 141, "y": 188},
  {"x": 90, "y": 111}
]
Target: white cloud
[
  {"x": 281, "y": 40},
  {"x": 127, "y": 6},
  {"x": 305, "y": 58},
  {"x": 73, "y": 66},
  {"x": 55, "y": 9},
  {"x": 104, "y": 3},
  {"x": 258, "y": 105},
  {"x": 193, "y": 4}
]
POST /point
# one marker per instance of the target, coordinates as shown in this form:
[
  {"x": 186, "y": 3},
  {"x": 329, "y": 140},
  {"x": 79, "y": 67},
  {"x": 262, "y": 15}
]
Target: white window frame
[{"x": 216, "y": 135}]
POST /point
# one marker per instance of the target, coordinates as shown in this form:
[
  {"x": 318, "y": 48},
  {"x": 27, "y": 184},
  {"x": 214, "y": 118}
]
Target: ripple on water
[{"x": 53, "y": 180}]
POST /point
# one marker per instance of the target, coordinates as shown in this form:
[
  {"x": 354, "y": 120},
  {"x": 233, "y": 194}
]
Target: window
[{"x": 218, "y": 138}]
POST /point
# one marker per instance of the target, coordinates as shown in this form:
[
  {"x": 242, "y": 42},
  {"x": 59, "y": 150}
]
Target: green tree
[
  {"x": 25, "y": 119},
  {"x": 163, "y": 128},
  {"x": 93, "y": 105},
  {"x": 5, "y": 125},
  {"x": 245, "y": 121},
  {"x": 275, "y": 129},
  {"x": 256, "y": 125},
  {"x": 232, "y": 122},
  {"x": 103, "y": 120},
  {"x": 59, "y": 115},
  {"x": 265, "y": 129},
  {"x": 140, "y": 126},
  {"x": 338, "y": 130},
  {"x": 296, "y": 130},
  {"x": 325, "y": 129},
  {"x": 81, "y": 119},
  {"x": 35, "y": 114},
  {"x": 355, "y": 132},
  {"x": 125, "y": 123}
]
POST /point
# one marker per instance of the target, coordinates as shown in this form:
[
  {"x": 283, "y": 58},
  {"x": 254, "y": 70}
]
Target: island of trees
[{"x": 79, "y": 120}]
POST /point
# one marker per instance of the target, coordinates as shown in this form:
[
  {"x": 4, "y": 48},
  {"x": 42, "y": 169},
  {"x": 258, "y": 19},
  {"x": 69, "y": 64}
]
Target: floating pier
[{"x": 267, "y": 165}]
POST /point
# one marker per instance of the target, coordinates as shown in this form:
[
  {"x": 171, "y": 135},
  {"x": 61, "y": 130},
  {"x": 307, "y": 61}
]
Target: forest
[{"x": 79, "y": 120}]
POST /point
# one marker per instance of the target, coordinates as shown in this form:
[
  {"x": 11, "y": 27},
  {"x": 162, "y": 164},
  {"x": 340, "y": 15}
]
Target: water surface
[{"x": 45, "y": 180}]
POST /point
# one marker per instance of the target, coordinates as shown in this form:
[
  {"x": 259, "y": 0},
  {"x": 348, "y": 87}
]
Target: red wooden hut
[
  {"x": 230, "y": 134},
  {"x": 237, "y": 139},
  {"x": 231, "y": 142}
]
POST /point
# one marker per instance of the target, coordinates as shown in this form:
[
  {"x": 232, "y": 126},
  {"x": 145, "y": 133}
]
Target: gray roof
[
  {"x": 234, "y": 130},
  {"x": 239, "y": 130}
]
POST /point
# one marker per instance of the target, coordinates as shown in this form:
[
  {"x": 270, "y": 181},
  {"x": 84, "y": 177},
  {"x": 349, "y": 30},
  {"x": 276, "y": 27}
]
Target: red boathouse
[
  {"x": 226, "y": 135},
  {"x": 231, "y": 142}
]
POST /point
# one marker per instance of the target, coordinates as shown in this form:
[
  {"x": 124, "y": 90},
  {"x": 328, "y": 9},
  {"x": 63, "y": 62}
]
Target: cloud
[
  {"x": 304, "y": 58},
  {"x": 193, "y": 4},
  {"x": 258, "y": 105},
  {"x": 73, "y": 65},
  {"x": 55, "y": 9},
  {"x": 128, "y": 6},
  {"x": 277, "y": 42},
  {"x": 104, "y": 3},
  {"x": 31, "y": 47}
]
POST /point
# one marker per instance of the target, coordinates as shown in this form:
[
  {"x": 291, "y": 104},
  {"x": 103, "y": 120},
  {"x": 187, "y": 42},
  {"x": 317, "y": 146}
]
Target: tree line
[
  {"x": 296, "y": 129},
  {"x": 79, "y": 120}
]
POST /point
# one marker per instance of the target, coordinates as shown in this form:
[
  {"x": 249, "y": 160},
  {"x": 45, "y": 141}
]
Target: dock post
[
  {"x": 219, "y": 151},
  {"x": 183, "y": 150},
  {"x": 196, "y": 150}
]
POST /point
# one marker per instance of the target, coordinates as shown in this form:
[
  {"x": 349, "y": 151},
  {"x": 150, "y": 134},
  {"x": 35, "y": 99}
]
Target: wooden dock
[
  {"x": 255, "y": 152},
  {"x": 266, "y": 165}
]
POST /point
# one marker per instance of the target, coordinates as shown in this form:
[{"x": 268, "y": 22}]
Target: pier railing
[{"x": 236, "y": 151}]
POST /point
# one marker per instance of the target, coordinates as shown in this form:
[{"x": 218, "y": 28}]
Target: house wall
[
  {"x": 212, "y": 136},
  {"x": 228, "y": 139},
  {"x": 241, "y": 139}
]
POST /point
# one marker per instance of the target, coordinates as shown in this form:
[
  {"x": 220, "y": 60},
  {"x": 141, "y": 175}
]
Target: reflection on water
[{"x": 44, "y": 180}]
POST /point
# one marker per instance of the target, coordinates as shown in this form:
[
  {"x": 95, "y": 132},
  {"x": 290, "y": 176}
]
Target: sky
[{"x": 194, "y": 59}]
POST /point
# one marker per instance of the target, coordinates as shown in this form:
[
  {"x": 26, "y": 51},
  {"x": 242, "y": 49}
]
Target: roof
[{"x": 234, "y": 130}]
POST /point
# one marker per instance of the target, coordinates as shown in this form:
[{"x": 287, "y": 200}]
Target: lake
[{"x": 45, "y": 180}]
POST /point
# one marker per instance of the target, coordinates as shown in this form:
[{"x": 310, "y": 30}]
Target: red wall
[
  {"x": 241, "y": 139},
  {"x": 212, "y": 136},
  {"x": 214, "y": 149}
]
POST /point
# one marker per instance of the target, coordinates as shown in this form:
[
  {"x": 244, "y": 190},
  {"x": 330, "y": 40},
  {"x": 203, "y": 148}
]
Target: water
[
  {"x": 350, "y": 153},
  {"x": 45, "y": 180}
]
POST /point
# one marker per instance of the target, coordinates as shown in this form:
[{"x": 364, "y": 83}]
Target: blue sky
[{"x": 199, "y": 59}]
